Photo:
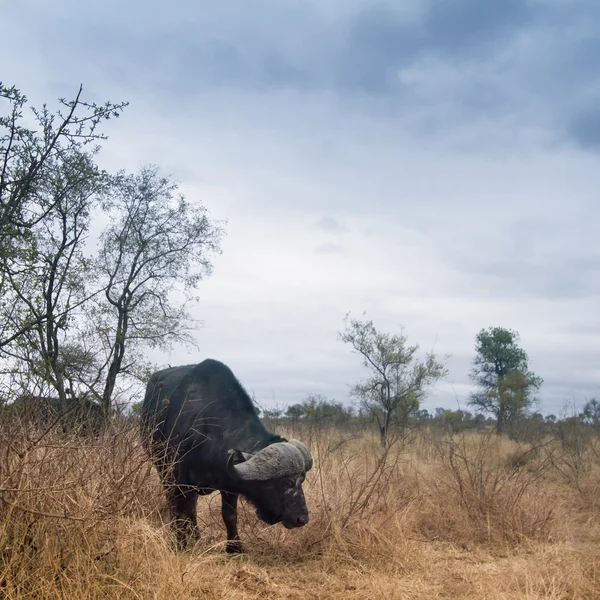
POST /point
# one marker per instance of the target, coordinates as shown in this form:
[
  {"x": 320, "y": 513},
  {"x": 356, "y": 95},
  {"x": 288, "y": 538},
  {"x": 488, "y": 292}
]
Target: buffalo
[{"x": 204, "y": 435}]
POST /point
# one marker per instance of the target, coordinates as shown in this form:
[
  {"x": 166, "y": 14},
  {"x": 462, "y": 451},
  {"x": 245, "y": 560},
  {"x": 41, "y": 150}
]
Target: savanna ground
[{"x": 472, "y": 515}]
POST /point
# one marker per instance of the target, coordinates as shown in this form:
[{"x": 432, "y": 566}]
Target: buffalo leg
[
  {"x": 182, "y": 504},
  {"x": 229, "y": 513}
]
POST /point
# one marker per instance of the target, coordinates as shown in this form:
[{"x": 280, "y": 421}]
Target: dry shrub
[
  {"x": 575, "y": 460},
  {"x": 471, "y": 515},
  {"x": 487, "y": 488},
  {"x": 62, "y": 498}
]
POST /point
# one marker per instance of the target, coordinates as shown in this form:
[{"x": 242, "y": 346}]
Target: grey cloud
[
  {"x": 380, "y": 41},
  {"x": 584, "y": 128},
  {"x": 591, "y": 327},
  {"x": 218, "y": 62},
  {"x": 560, "y": 278},
  {"x": 191, "y": 49},
  {"x": 329, "y": 248},
  {"x": 582, "y": 57},
  {"x": 278, "y": 71},
  {"x": 456, "y": 26},
  {"x": 219, "y": 59},
  {"x": 535, "y": 62},
  {"x": 563, "y": 396},
  {"x": 543, "y": 260},
  {"x": 330, "y": 225},
  {"x": 299, "y": 48},
  {"x": 377, "y": 42}
]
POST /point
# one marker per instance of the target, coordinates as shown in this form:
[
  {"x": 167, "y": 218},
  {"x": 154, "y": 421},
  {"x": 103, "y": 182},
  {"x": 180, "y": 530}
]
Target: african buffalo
[{"x": 204, "y": 434}]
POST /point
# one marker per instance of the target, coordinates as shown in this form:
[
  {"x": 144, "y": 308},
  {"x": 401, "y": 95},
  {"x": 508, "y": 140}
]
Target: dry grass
[{"x": 470, "y": 516}]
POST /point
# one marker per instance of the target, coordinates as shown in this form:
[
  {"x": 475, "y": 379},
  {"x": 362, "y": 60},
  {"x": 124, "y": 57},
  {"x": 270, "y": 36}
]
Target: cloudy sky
[{"x": 435, "y": 163}]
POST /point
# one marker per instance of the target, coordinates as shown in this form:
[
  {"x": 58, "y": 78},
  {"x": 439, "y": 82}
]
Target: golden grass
[{"x": 469, "y": 516}]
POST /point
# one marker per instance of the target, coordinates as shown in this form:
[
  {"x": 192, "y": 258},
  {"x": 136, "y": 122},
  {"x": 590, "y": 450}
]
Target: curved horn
[
  {"x": 308, "y": 461},
  {"x": 283, "y": 459},
  {"x": 235, "y": 458}
]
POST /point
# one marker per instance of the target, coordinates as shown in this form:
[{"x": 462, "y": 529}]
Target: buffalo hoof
[{"x": 234, "y": 547}]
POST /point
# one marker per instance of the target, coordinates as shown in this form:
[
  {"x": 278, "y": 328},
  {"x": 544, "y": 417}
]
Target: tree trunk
[
  {"x": 500, "y": 422},
  {"x": 384, "y": 429},
  {"x": 118, "y": 352},
  {"x": 109, "y": 388},
  {"x": 383, "y": 435}
]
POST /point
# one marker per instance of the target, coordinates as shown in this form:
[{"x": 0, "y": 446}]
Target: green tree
[
  {"x": 453, "y": 420},
  {"x": 295, "y": 412},
  {"x": 397, "y": 380},
  {"x": 423, "y": 415},
  {"x": 318, "y": 409},
  {"x": 501, "y": 373}
]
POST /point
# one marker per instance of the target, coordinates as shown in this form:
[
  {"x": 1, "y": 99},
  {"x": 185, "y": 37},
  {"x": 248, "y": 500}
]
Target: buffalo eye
[{"x": 288, "y": 484}]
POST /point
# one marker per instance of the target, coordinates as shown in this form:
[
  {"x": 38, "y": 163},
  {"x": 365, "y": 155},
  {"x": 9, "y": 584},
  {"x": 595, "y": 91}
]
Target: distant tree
[
  {"x": 530, "y": 428},
  {"x": 153, "y": 254},
  {"x": 272, "y": 413},
  {"x": 501, "y": 373},
  {"x": 397, "y": 380},
  {"x": 423, "y": 415},
  {"x": 453, "y": 420},
  {"x": 479, "y": 421},
  {"x": 537, "y": 417},
  {"x": 440, "y": 412},
  {"x": 295, "y": 412},
  {"x": 591, "y": 413},
  {"x": 320, "y": 410}
]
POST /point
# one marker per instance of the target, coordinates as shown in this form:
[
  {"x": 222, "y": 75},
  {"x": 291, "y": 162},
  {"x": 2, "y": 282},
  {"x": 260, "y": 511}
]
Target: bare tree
[
  {"x": 397, "y": 380},
  {"x": 153, "y": 254},
  {"x": 32, "y": 152},
  {"x": 46, "y": 282},
  {"x": 72, "y": 323}
]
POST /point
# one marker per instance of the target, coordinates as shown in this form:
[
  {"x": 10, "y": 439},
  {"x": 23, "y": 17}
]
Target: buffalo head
[{"x": 272, "y": 480}]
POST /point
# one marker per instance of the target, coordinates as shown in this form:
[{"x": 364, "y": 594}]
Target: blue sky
[{"x": 433, "y": 163}]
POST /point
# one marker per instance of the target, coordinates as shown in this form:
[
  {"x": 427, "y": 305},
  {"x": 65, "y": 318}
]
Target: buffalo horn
[
  {"x": 308, "y": 461},
  {"x": 284, "y": 459}
]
